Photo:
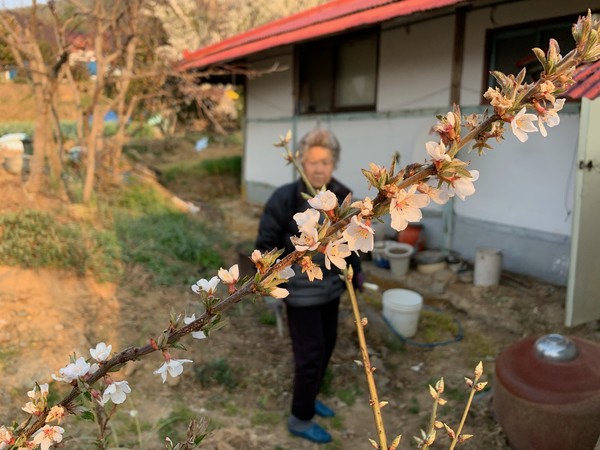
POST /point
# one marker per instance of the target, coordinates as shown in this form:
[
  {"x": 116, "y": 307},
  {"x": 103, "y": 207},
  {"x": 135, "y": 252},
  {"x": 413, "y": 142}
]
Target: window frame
[{"x": 335, "y": 43}]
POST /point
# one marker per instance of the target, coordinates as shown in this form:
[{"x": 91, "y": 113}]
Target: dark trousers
[{"x": 313, "y": 330}]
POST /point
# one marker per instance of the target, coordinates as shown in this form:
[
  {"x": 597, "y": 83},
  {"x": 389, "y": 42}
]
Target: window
[
  {"x": 338, "y": 75},
  {"x": 509, "y": 49}
]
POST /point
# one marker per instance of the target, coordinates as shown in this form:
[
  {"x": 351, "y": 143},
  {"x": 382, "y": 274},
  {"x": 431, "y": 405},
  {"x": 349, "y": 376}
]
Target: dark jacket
[{"x": 277, "y": 226}]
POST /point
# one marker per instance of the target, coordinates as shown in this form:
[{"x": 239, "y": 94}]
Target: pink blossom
[
  {"x": 230, "y": 276},
  {"x": 277, "y": 292},
  {"x": 359, "y": 235},
  {"x": 311, "y": 269},
  {"x": 47, "y": 436},
  {"x": 463, "y": 186},
  {"x": 335, "y": 252},
  {"x": 406, "y": 207}
]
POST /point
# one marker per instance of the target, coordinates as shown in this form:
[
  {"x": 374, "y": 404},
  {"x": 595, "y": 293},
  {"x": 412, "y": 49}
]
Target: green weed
[
  {"x": 326, "y": 384},
  {"x": 267, "y": 318},
  {"x": 265, "y": 418},
  {"x": 337, "y": 422},
  {"x": 414, "y": 407},
  {"x": 175, "y": 424},
  {"x": 170, "y": 245},
  {"x": 139, "y": 198},
  {"x": 231, "y": 165},
  {"x": 436, "y": 326},
  {"x": 348, "y": 395},
  {"x": 216, "y": 372}
]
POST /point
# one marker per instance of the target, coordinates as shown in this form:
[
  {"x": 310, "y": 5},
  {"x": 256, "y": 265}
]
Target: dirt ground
[{"x": 240, "y": 379}]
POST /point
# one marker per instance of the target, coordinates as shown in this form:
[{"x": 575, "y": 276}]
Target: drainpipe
[{"x": 455, "y": 85}]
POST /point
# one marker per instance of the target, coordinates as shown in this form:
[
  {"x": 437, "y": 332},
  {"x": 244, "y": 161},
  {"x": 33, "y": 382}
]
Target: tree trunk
[
  {"x": 42, "y": 143},
  {"x": 95, "y": 143}
]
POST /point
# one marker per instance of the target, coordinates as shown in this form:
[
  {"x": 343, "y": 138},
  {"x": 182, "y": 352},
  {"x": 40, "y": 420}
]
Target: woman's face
[{"x": 318, "y": 165}]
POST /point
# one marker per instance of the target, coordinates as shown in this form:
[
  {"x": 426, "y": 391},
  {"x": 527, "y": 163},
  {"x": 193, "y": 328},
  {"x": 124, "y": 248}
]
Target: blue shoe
[
  {"x": 323, "y": 410},
  {"x": 314, "y": 434}
]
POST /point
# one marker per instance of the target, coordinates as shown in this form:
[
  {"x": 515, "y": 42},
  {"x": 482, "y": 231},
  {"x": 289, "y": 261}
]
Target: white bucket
[
  {"x": 398, "y": 254},
  {"x": 488, "y": 266},
  {"x": 401, "y": 308},
  {"x": 12, "y": 153}
]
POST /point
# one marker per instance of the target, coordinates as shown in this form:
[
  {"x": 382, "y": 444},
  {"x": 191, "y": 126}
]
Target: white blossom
[
  {"x": 550, "y": 117},
  {"x": 101, "y": 352},
  {"x": 208, "y": 286},
  {"x": 335, "y": 252},
  {"x": 173, "y": 367},
  {"x": 307, "y": 220},
  {"x": 116, "y": 392},
  {"x": 73, "y": 371},
  {"x": 522, "y": 124},
  {"x": 324, "y": 201}
]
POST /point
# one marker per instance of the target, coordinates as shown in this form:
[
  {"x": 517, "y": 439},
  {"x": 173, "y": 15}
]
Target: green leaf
[
  {"x": 88, "y": 415},
  {"x": 540, "y": 55}
]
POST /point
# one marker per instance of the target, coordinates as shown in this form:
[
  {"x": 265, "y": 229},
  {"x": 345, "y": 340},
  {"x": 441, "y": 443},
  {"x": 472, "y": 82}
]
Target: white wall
[
  {"x": 271, "y": 95},
  {"x": 414, "y": 67},
  {"x": 530, "y": 184}
]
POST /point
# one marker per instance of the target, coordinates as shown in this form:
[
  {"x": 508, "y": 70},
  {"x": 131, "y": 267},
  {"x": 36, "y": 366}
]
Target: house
[{"x": 377, "y": 73}]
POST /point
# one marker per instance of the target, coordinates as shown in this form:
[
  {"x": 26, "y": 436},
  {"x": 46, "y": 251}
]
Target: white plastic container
[
  {"x": 398, "y": 254},
  {"x": 12, "y": 153},
  {"x": 488, "y": 266},
  {"x": 401, "y": 308}
]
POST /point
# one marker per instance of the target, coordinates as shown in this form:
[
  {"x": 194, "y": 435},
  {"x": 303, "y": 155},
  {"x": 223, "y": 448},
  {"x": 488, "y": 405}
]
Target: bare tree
[{"x": 21, "y": 35}]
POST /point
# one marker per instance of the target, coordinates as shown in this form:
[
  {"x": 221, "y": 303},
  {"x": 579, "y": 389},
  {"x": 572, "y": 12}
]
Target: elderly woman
[{"x": 312, "y": 307}]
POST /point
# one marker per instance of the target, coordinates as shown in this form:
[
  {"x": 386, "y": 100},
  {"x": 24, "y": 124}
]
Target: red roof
[
  {"x": 329, "y": 18},
  {"x": 587, "y": 82}
]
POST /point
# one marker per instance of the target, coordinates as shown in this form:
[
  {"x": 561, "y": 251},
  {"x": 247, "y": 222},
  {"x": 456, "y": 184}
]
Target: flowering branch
[{"x": 345, "y": 228}]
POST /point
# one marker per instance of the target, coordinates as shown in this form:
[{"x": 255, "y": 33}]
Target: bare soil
[{"x": 241, "y": 376}]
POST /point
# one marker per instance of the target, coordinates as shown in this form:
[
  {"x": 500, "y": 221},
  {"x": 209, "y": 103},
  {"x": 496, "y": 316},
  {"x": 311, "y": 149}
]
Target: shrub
[{"x": 35, "y": 239}]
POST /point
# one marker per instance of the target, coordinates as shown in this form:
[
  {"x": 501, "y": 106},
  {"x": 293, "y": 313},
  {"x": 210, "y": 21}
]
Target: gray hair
[{"x": 319, "y": 137}]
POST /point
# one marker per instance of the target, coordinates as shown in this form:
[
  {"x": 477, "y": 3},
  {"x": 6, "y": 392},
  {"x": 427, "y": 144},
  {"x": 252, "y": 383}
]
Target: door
[{"x": 583, "y": 288}]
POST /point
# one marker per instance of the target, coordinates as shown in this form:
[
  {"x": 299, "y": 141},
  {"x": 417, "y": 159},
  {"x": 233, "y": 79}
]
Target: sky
[{"x": 17, "y": 3}]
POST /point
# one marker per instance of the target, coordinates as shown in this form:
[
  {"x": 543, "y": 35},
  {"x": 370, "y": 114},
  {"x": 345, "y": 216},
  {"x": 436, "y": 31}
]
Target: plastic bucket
[
  {"x": 488, "y": 266},
  {"x": 401, "y": 309},
  {"x": 12, "y": 152},
  {"x": 398, "y": 254}
]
